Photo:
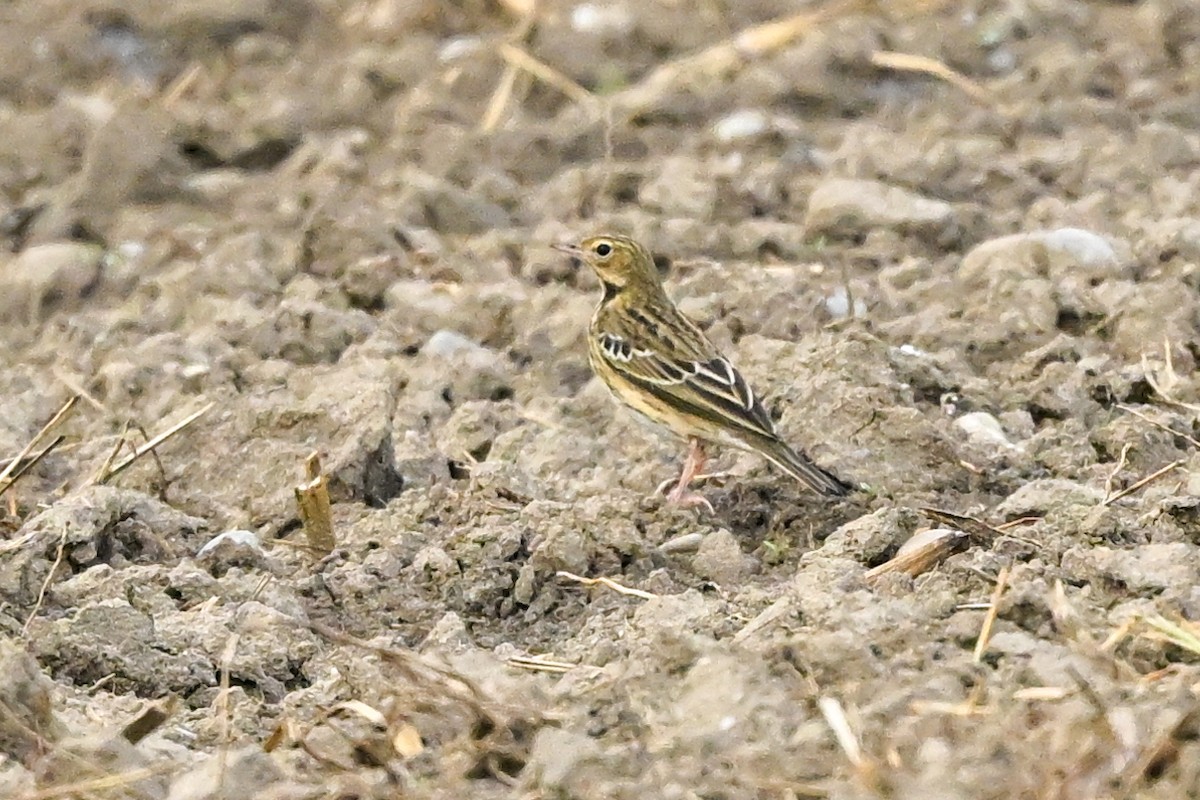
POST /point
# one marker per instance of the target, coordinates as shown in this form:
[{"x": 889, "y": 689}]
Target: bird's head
[{"x": 618, "y": 261}]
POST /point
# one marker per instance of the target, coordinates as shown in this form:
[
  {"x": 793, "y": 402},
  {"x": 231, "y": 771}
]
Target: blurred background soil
[{"x": 956, "y": 244}]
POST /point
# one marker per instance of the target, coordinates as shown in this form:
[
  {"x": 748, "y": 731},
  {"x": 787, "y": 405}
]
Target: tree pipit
[{"x": 655, "y": 360}]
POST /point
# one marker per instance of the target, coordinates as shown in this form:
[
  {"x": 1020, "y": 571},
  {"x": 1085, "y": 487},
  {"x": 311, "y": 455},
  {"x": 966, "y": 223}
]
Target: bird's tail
[{"x": 797, "y": 464}]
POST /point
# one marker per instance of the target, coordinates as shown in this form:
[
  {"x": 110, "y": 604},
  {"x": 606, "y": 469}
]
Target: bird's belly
[{"x": 657, "y": 414}]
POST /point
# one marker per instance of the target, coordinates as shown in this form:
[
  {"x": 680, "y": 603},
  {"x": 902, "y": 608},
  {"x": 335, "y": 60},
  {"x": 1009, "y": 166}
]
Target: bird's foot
[
  {"x": 685, "y": 498},
  {"x": 708, "y": 476}
]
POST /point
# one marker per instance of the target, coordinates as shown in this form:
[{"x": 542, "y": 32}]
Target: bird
[{"x": 655, "y": 360}]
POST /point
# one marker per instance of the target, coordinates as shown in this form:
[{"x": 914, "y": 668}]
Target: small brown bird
[{"x": 655, "y": 360}]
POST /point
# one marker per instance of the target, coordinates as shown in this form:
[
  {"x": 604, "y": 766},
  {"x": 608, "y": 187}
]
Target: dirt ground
[{"x": 328, "y": 224}]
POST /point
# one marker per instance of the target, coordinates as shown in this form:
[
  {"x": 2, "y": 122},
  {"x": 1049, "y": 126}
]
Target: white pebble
[
  {"x": 838, "y": 304},
  {"x": 982, "y": 428},
  {"x": 447, "y": 343},
  {"x": 1088, "y": 248},
  {"x": 601, "y": 19},
  {"x": 238, "y": 537},
  {"x": 458, "y": 47},
  {"x": 741, "y": 125}
]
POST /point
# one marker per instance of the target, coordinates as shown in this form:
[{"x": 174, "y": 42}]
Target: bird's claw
[
  {"x": 669, "y": 482},
  {"x": 680, "y": 496}
]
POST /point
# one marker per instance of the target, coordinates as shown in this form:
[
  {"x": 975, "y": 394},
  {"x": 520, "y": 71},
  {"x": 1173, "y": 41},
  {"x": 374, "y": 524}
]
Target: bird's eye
[{"x": 603, "y": 249}]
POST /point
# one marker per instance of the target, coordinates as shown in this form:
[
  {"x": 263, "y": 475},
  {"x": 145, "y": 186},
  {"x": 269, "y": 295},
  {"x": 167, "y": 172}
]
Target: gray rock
[
  {"x": 983, "y": 429},
  {"x": 446, "y": 208},
  {"x": 461, "y": 369},
  {"x": 1171, "y": 569},
  {"x": 1057, "y": 254},
  {"x": 27, "y": 718},
  {"x": 99, "y": 756},
  {"x": 683, "y": 187},
  {"x": 232, "y": 548},
  {"x": 556, "y": 758},
  {"x": 1046, "y": 495},
  {"x": 720, "y": 559},
  {"x": 872, "y": 538},
  {"x": 100, "y": 524},
  {"x": 47, "y": 276},
  {"x": 247, "y": 772},
  {"x": 111, "y": 638},
  {"x": 843, "y": 207}
]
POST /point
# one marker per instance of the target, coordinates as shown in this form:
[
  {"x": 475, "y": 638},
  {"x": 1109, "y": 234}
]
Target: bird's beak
[{"x": 569, "y": 249}]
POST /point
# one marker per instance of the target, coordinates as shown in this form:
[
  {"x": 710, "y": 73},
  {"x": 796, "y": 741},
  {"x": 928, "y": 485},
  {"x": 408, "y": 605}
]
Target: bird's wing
[{"x": 661, "y": 351}]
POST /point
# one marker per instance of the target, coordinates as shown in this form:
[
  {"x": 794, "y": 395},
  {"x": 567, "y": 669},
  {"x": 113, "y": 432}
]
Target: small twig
[
  {"x": 1112, "y": 476},
  {"x": 504, "y": 89},
  {"x": 177, "y": 88},
  {"x": 1089, "y": 693},
  {"x": 521, "y": 59},
  {"x": 32, "y": 461},
  {"x": 1171, "y": 376},
  {"x": 982, "y": 532},
  {"x": 112, "y": 454},
  {"x": 924, "y": 551},
  {"x": 906, "y": 62},
  {"x": 608, "y": 583},
  {"x": 1118, "y": 635},
  {"x": 79, "y": 389},
  {"x": 1144, "y": 482},
  {"x": 541, "y": 664},
  {"x": 835, "y": 717},
  {"x": 1042, "y": 693},
  {"x": 58, "y": 559},
  {"x": 1182, "y": 634},
  {"x": 989, "y": 619},
  {"x": 1003, "y": 527},
  {"x": 968, "y": 708},
  {"x": 102, "y": 783},
  {"x": 150, "y": 446},
  {"x": 727, "y": 54},
  {"x": 500, "y": 98},
  {"x": 1130, "y": 410},
  {"x": 6, "y": 479}
]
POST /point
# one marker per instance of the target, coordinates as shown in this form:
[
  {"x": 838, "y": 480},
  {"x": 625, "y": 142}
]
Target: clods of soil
[{"x": 955, "y": 245}]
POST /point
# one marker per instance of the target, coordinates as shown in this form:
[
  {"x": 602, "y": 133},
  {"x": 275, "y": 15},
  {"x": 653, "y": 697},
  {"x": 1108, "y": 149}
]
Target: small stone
[
  {"x": 448, "y": 635},
  {"x": 555, "y": 760},
  {"x": 601, "y": 19},
  {"x": 464, "y": 369},
  {"x": 250, "y": 769},
  {"x": 684, "y": 543},
  {"x": 56, "y": 275},
  {"x": 458, "y": 46},
  {"x": 1039, "y": 497},
  {"x": 683, "y": 187},
  {"x": 1057, "y": 254},
  {"x": 873, "y": 537},
  {"x": 237, "y": 548},
  {"x": 439, "y": 204},
  {"x": 843, "y": 207},
  {"x": 720, "y": 558},
  {"x": 837, "y": 304},
  {"x": 446, "y": 343},
  {"x": 744, "y": 124},
  {"x": 984, "y": 429},
  {"x": 1148, "y": 568},
  {"x": 27, "y": 718}
]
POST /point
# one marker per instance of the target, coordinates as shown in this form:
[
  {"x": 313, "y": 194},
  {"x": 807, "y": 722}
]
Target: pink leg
[{"x": 692, "y": 465}]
